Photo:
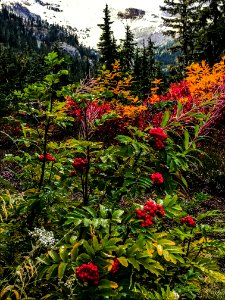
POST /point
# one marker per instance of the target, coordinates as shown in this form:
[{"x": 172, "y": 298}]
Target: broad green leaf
[
  {"x": 83, "y": 258},
  {"x": 91, "y": 211},
  {"x": 96, "y": 244},
  {"x": 186, "y": 139},
  {"x": 107, "y": 284},
  {"x": 179, "y": 109},
  {"x": 165, "y": 119},
  {"x": 159, "y": 249},
  {"x": 123, "y": 139},
  {"x": 134, "y": 263},
  {"x": 74, "y": 251},
  {"x": 90, "y": 251},
  {"x": 123, "y": 261},
  {"x": 51, "y": 270},
  {"x": 63, "y": 252},
  {"x": 117, "y": 214},
  {"x": 61, "y": 269},
  {"x": 103, "y": 211},
  {"x": 54, "y": 255}
]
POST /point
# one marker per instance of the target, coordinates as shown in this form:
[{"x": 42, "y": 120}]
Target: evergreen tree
[
  {"x": 107, "y": 43},
  {"x": 181, "y": 24},
  {"x": 127, "y": 50},
  {"x": 146, "y": 69},
  {"x": 211, "y": 26}
]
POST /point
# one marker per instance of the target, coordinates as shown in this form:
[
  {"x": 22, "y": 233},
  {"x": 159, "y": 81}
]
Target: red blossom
[
  {"x": 160, "y": 137},
  {"x": 158, "y": 133},
  {"x": 189, "y": 221},
  {"x": 80, "y": 163},
  {"x": 88, "y": 273},
  {"x": 157, "y": 178},
  {"x": 48, "y": 157},
  {"x": 150, "y": 210}
]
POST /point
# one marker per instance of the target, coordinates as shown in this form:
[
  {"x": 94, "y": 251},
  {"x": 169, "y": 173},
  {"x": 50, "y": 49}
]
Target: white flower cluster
[{"x": 46, "y": 238}]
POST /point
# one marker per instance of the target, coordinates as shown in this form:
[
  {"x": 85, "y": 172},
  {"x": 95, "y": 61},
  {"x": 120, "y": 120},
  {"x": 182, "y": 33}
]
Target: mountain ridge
[{"x": 83, "y": 17}]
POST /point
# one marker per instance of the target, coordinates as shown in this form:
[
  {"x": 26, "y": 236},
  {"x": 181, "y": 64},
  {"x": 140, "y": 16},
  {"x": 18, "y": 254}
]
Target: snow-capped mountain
[{"x": 144, "y": 17}]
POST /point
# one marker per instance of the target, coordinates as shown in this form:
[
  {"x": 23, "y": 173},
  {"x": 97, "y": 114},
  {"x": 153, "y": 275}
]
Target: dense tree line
[
  {"x": 198, "y": 31},
  {"x": 23, "y": 45}
]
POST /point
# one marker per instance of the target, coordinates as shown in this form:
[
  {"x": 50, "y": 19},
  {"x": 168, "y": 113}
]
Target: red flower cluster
[
  {"x": 88, "y": 273},
  {"x": 179, "y": 90},
  {"x": 189, "y": 221},
  {"x": 48, "y": 157},
  {"x": 150, "y": 210},
  {"x": 115, "y": 266},
  {"x": 160, "y": 137},
  {"x": 80, "y": 163},
  {"x": 157, "y": 178}
]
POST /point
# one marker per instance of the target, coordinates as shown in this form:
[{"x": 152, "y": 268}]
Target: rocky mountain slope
[{"x": 144, "y": 17}]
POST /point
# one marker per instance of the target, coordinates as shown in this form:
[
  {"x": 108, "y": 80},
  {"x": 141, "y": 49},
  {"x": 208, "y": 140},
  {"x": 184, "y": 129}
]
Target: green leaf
[
  {"x": 90, "y": 251},
  {"x": 165, "y": 119},
  {"x": 61, "y": 269},
  {"x": 83, "y": 258},
  {"x": 179, "y": 109},
  {"x": 144, "y": 182},
  {"x": 124, "y": 139},
  {"x": 91, "y": 211},
  {"x": 117, "y": 214},
  {"x": 54, "y": 255},
  {"x": 103, "y": 211},
  {"x": 50, "y": 271},
  {"x": 186, "y": 139},
  {"x": 74, "y": 251},
  {"x": 134, "y": 263},
  {"x": 107, "y": 284},
  {"x": 123, "y": 261},
  {"x": 96, "y": 244},
  {"x": 63, "y": 252},
  {"x": 184, "y": 181}
]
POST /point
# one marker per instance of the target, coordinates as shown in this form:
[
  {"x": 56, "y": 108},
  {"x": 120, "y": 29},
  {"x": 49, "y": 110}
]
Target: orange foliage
[
  {"x": 203, "y": 80},
  {"x": 154, "y": 98},
  {"x": 116, "y": 87}
]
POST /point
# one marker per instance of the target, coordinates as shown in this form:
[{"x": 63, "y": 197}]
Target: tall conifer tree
[
  {"x": 127, "y": 53},
  {"x": 211, "y": 41},
  {"x": 107, "y": 43},
  {"x": 181, "y": 23}
]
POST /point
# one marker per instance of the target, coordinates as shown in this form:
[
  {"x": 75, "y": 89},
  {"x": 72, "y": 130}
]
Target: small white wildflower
[{"x": 46, "y": 238}]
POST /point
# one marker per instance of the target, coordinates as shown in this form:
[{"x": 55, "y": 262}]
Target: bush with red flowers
[
  {"x": 157, "y": 178},
  {"x": 93, "y": 238},
  {"x": 150, "y": 210},
  {"x": 189, "y": 221},
  {"x": 88, "y": 273}
]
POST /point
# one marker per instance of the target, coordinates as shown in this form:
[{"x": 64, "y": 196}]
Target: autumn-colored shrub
[{"x": 99, "y": 216}]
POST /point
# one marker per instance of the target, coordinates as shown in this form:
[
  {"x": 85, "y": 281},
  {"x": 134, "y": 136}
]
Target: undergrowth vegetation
[{"x": 100, "y": 208}]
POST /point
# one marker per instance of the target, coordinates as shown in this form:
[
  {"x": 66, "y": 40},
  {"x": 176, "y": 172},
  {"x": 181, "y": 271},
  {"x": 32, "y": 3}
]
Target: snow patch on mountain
[{"x": 84, "y": 15}]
